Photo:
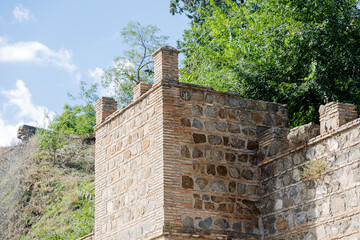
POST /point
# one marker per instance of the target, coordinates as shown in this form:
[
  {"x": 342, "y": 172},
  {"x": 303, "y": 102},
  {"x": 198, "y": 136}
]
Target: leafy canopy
[
  {"x": 302, "y": 53},
  {"x": 134, "y": 65}
]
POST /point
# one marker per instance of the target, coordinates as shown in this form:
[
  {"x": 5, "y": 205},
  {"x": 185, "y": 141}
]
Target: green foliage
[
  {"x": 78, "y": 120},
  {"x": 194, "y": 9},
  {"x": 135, "y": 65},
  {"x": 302, "y": 53},
  {"x": 50, "y": 141}
]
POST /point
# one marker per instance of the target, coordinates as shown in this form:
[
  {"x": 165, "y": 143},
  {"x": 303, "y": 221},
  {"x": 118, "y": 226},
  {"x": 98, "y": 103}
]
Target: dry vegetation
[{"x": 45, "y": 199}]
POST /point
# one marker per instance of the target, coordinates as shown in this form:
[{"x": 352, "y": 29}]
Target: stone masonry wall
[
  {"x": 129, "y": 171},
  {"x": 294, "y": 207},
  {"x": 210, "y": 168}
]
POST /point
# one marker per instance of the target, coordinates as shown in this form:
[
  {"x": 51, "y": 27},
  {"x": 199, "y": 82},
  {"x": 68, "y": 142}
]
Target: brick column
[
  {"x": 335, "y": 114},
  {"x": 166, "y": 64},
  {"x": 140, "y": 89},
  {"x": 105, "y": 106}
]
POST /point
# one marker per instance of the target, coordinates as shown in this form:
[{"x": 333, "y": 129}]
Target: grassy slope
[{"x": 54, "y": 200}]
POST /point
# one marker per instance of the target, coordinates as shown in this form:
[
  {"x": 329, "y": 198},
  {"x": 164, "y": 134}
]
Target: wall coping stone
[
  {"x": 311, "y": 142},
  {"x": 166, "y": 82}
]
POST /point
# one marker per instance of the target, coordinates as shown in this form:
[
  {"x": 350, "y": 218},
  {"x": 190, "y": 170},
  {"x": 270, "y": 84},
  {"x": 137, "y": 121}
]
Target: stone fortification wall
[
  {"x": 129, "y": 169},
  {"x": 294, "y": 206},
  {"x": 210, "y": 164},
  {"x": 186, "y": 162}
]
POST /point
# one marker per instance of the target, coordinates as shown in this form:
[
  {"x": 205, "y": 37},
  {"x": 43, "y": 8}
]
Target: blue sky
[{"x": 47, "y": 47}]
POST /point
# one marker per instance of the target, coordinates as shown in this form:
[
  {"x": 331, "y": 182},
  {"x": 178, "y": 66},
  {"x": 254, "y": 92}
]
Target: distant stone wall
[{"x": 295, "y": 207}]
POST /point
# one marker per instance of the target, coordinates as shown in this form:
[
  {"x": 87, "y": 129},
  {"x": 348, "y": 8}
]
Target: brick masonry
[{"x": 186, "y": 162}]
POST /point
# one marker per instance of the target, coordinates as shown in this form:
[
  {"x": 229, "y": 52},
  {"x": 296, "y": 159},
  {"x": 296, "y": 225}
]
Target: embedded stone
[
  {"x": 231, "y": 113},
  {"x": 214, "y": 140},
  {"x": 209, "y": 206},
  {"x": 218, "y": 186},
  {"x": 185, "y": 122},
  {"x": 241, "y": 188},
  {"x": 232, "y": 187},
  {"x": 197, "y": 96},
  {"x": 301, "y": 218},
  {"x": 209, "y": 126},
  {"x": 209, "y": 98},
  {"x": 247, "y": 174},
  {"x": 205, "y": 197},
  {"x": 210, "y": 169},
  {"x": 239, "y": 208},
  {"x": 237, "y": 226},
  {"x": 230, "y": 199},
  {"x": 217, "y": 199},
  {"x": 197, "y": 153},
  {"x": 221, "y": 170},
  {"x": 187, "y": 182},
  {"x": 257, "y": 117},
  {"x": 288, "y": 202},
  {"x": 222, "y": 113},
  {"x": 188, "y": 222},
  {"x": 127, "y": 154},
  {"x": 197, "y": 124},
  {"x": 205, "y": 223},
  {"x": 252, "y": 145},
  {"x": 210, "y": 112},
  {"x": 252, "y": 190},
  {"x": 197, "y": 110},
  {"x": 198, "y": 204},
  {"x": 226, "y": 141},
  {"x": 218, "y": 155},
  {"x": 222, "y": 223},
  {"x": 243, "y": 158},
  {"x": 200, "y": 168},
  {"x": 249, "y": 227},
  {"x": 220, "y": 126},
  {"x": 233, "y": 128},
  {"x": 237, "y": 143},
  {"x": 202, "y": 183},
  {"x": 281, "y": 224},
  {"x": 199, "y": 138},
  {"x": 231, "y": 208},
  {"x": 185, "y": 151},
  {"x": 234, "y": 172},
  {"x": 146, "y": 144},
  {"x": 230, "y": 157},
  {"x": 222, "y": 207},
  {"x": 196, "y": 195}
]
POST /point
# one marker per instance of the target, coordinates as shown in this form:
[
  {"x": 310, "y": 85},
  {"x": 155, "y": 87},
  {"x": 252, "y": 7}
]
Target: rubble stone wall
[
  {"x": 314, "y": 207},
  {"x": 129, "y": 171},
  {"x": 210, "y": 168}
]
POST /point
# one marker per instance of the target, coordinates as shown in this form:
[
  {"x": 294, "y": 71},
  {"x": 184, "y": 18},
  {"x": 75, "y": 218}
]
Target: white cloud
[
  {"x": 35, "y": 52},
  {"x": 96, "y": 74},
  {"x": 22, "y": 14},
  {"x": 20, "y": 99}
]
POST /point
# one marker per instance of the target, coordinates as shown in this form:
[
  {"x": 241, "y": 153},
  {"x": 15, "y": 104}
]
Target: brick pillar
[
  {"x": 335, "y": 114},
  {"x": 140, "y": 89},
  {"x": 166, "y": 64},
  {"x": 105, "y": 106}
]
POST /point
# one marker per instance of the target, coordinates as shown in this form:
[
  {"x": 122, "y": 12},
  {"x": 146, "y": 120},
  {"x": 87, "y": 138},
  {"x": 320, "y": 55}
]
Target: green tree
[
  {"x": 134, "y": 65},
  {"x": 196, "y": 9},
  {"x": 302, "y": 53}
]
